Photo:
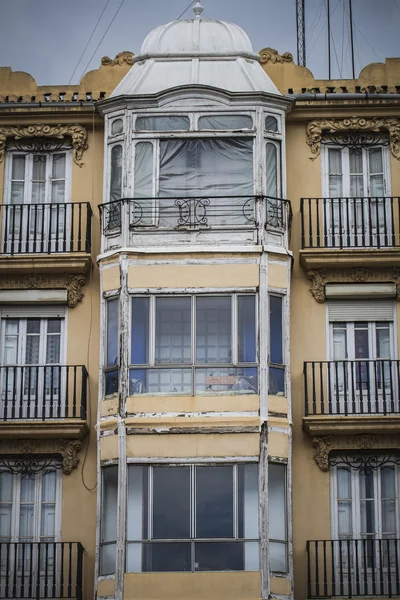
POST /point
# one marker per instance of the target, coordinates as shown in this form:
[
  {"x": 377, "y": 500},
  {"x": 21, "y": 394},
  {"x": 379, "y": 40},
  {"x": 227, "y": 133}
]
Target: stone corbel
[
  {"x": 320, "y": 277},
  {"x": 121, "y": 58},
  {"x": 316, "y": 129},
  {"x": 29, "y": 454},
  {"x": 72, "y": 283},
  {"x": 273, "y": 56},
  {"x": 351, "y": 444},
  {"x": 77, "y": 133}
]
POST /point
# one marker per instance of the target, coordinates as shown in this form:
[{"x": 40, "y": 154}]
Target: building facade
[{"x": 198, "y": 296}]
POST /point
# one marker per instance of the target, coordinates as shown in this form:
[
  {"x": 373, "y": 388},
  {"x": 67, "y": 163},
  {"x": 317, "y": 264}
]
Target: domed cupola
[{"x": 196, "y": 52}]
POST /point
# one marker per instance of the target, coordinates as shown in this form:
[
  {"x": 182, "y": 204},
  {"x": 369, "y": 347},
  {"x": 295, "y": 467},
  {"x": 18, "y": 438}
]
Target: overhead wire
[
  {"x": 342, "y": 53},
  {"x": 181, "y": 15},
  {"x": 89, "y": 40},
  {"x": 323, "y": 27},
  {"x": 315, "y": 22},
  {"x": 359, "y": 31},
  {"x": 396, "y": 5},
  {"x": 104, "y": 35}
]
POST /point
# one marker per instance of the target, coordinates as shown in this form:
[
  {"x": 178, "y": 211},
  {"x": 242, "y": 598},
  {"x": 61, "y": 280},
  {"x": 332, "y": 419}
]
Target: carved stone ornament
[
  {"x": 72, "y": 283},
  {"x": 361, "y": 452},
  {"x": 273, "y": 56},
  {"x": 77, "y": 133},
  {"x": 28, "y": 457},
  {"x": 317, "y": 128},
  {"x": 120, "y": 59},
  {"x": 320, "y": 277}
]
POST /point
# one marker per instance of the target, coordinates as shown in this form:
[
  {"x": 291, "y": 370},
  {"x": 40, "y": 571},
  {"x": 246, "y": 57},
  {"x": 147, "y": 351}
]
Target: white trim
[{"x": 28, "y": 296}]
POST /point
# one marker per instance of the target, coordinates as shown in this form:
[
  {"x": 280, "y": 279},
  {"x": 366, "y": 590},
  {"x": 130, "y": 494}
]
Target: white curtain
[
  {"x": 225, "y": 122},
  {"x": 116, "y": 173},
  {"x": 376, "y": 172},
  {"x": 17, "y": 180},
  {"x": 344, "y": 500},
  {"x": 58, "y": 179},
  {"x": 144, "y": 182},
  {"x": 162, "y": 123},
  {"x": 356, "y": 173},
  {"x": 39, "y": 179}
]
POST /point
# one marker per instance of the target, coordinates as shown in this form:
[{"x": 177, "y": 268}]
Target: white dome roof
[{"x": 196, "y": 52}]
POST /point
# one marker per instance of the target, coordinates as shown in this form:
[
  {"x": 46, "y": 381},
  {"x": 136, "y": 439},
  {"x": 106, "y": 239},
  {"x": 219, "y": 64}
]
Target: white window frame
[
  {"x": 28, "y": 174},
  {"x": 372, "y": 327}
]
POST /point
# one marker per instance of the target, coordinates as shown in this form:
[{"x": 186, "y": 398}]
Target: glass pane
[
  {"x": 377, "y": 190},
  {"x": 361, "y": 341},
  {"x": 53, "y": 349},
  {"x": 335, "y": 173},
  {"x": 275, "y": 325},
  {"x": 388, "y": 482},
  {"x": 5, "y": 520},
  {"x": 246, "y": 328},
  {"x": 375, "y": 160},
  {"x": 389, "y": 521},
  {"x": 49, "y": 486},
  {"x": 58, "y": 197},
  {"x": 39, "y": 168},
  {"x": 277, "y": 557},
  {"x": 116, "y": 173},
  {"x": 367, "y": 511},
  {"x": 213, "y": 329},
  {"x": 216, "y": 380},
  {"x": 248, "y": 501},
  {"x": 110, "y": 503},
  {"x": 277, "y": 501},
  {"x": 272, "y": 170},
  {"x": 160, "y": 381},
  {"x": 276, "y": 381},
  {"x": 111, "y": 382},
  {"x": 144, "y": 174},
  {"x": 38, "y": 192},
  {"x": 171, "y": 503},
  {"x": 112, "y": 332},
  {"x": 214, "y": 502},
  {"x": 18, "y": 168},
  {"x": 59, "y": 161},
  {"x": 6, "y": 483},
  {"x": 345, "y": 519},
  {"x": 117, "y": 126},
  {"x": 27, "y": 489},
  {"x": 26, "y": 512},
  {"x": 367, "y": 485},
  {"x": 107, "y": 559},
  {"x": 17, "y": 195},
  {"x": 271, "y": 123},
  {"x": 137, "y": 503},
  {"x": 343, "y": 483},
  {"x": 140, "y": 331},
  {"x": 33, "y": 326},
  {"x": 54, "y": 326},
  {"x": 173, "y": 330},
  {"x": 225, "y": 122},
  {"x": 48, "y": 520},
  {"x": 159, "y": 556},
  {"x": 178, "y": 123},
  {"x": 219, "y": 556}
]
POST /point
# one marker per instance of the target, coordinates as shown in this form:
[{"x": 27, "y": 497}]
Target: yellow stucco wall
[{"x": 178, "y": 276}]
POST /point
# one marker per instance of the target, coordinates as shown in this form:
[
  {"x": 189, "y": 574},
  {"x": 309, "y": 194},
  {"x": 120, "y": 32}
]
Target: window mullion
[
  {"x": 152, "y": 330},
  {"x": 234, "y": 326}
]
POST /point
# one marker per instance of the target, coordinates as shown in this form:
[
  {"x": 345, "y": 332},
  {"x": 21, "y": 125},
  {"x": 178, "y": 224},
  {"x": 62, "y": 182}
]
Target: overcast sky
[{"x": 46, "y": 37}]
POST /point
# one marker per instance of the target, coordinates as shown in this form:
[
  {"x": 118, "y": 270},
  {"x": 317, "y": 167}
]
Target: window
[
  {"x": 108, "y": 525},
  {"x": 30, "y": 507},
  {"x": 193, "y": 344},
  {"x": 116, "y": 176},
  {"x": 192, "y": 518},
  {"x": 358, "y": 176},
  {"x": 37, "y": 178},
  {"x": 225, "y": 122},
  {"x": 271, "y": 124},
  {"x": 162, "y": 123},
  {"x": 117, "y": 126},
  {"x": 276, "y": 357},
  {"x": 112, "y": 343},
  {"x": 277, "y": 508}
]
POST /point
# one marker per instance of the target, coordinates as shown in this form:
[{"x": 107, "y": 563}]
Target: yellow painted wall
[
  {"x": 188, "y": 404},
  {"x": 194, "y": 276}
]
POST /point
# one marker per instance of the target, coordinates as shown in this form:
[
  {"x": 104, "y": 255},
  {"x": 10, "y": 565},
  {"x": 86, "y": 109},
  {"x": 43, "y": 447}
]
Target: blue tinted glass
[
  {"x": 275, "y": 330},
  {"x": 140, "y": 331},
  {"x": 112, "y": 332}
]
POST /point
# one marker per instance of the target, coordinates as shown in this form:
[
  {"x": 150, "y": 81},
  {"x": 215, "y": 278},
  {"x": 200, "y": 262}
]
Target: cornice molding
[
  {"x": 355, "y": 443},
  {"x": 77, "y": 133},
  {"x": 121, "y": 58},
  {"x": 316, "y": 129},
  {"x": 320, "y": 277},
  {"x": 72, "y": 283},
  {"x": 273, "y": 56},
  {"x": 32, "y": 449}
]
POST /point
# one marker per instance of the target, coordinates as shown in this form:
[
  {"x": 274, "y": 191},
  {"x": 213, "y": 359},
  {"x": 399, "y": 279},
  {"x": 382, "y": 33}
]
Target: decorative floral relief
[
  {"x": 272, "y": 55},
  {"x": 120, "y": 59}
]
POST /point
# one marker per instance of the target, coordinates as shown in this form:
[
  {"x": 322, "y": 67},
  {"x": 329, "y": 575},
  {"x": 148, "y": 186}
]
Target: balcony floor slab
[
  {"x": 72, "y": 263},
  {"x": 336, "y": 258},
  {"x": 339, "y": 425},
  {"x": 68, "y": 429}
]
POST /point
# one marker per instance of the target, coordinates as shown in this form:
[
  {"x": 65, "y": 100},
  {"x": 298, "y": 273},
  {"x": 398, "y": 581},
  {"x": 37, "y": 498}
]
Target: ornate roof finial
[{"x": 197, "y": 9}]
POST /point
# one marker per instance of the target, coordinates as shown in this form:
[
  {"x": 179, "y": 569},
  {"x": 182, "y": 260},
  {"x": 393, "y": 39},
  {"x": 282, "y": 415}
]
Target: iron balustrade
[
  {"x": 355, "y": 222},
  {"x": 349, "y": 568},
  {"x": 196, "y": 213},
  {"x": 46, "y": 228},
  {"x": 43, "y": 392},
  {"x": 37, "y": 570},
  {"x": 352, "y": 387}
]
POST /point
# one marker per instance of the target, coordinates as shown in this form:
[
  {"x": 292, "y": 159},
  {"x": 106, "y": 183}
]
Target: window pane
[
  {"x": 213, "y": 329},
  {"x": 388, "y": 482},
  {"x": 335, "y": 173},
  {"x": 112, "y": 332},
  {"x": 159, "y": 556},
  {"x": 275, "y": 324},
  {"x": 160, "y": 381},
  {"x": 272, "y": 170},
  {"x": 277, "y": 557},
  {"x": 173, "y": 330},
  {"x": 49, "y": 486},
  {"x": 137, "y": 503},
  {"x": 375, "y": 160},
  {"x": 117, "y": 126},
  {"x": 223, "y": 122},
  {"x": 276, "y": 381},
  {"x": 277, "y": 501},
  {"x": 6, "y": 486},
  {"x": 140, "y": 331},
  {"x": 217, "y": 380},
  {"x": 219, "y": 556},
  {"x": 178, "y": 123},
  {"x": 247, "y": 328},
  {"x": 109, "y": 519},
  {"x": 214, "y": 502},
  {"x": 271, "y": 124},
  {"x": 116, "y": 173},
  {"x": 248, "y": 501},
  {"x": 144, "y": 172},
  {"x": 171, "y": 502},
  {"x": 18, "y": 168}
]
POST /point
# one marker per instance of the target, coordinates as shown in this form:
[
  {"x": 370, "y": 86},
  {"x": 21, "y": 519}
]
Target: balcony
[
  {"x": 41, "y": 570},
  {"x": 46, "y": 398},
  {"x": 361, "y": 228},
  {"x": 200, "y": 220},
  {"x": 48, "y": 232},
  {"x": 344, "y": 396},
  {"x": 353, "y": 568}
]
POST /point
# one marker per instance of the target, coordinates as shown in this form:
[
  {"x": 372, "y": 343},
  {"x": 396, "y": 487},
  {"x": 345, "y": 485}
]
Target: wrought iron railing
[
  {"x": 196, "y": 213},
  {"x": 46, "y": 228},
  {"x": 352, "y": 387},
  {"x": 43, "y": 392},
  {"x": 350, "y": 222},
  {"x": 37, "y": 570},
  {"x": 349, "y": 568}
]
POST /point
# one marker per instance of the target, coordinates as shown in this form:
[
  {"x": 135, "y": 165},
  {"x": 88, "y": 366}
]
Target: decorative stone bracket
[
  {"x": 356, "y": 445},
  {"x": 316, "y": 129},
  {"x": 273, "y": 56},
  {"x": 72, "y": 283},
  {"x": 77, "y": 133},
  {"x": 29, "y": 456},
  {"x": 121, "y": 58},
  {"x": 320, "y": 277}
]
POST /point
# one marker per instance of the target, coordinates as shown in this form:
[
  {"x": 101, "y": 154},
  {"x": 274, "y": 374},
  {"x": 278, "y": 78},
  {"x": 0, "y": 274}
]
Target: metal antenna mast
[{"x": 301, "y": 33}]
